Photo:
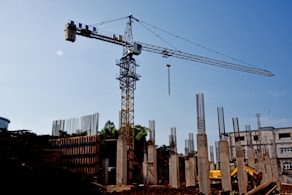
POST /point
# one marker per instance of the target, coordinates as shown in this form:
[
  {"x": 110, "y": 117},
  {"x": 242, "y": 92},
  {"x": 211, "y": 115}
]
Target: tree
[
  {"x": 140, "y": 133},
  {"x": 63, "y": 134},
  {"x": 109, "y": 131},
  {"x": 140, "y": 141}
]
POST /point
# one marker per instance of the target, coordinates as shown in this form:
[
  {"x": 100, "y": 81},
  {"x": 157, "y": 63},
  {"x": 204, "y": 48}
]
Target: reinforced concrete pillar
[
  {"x": 251, "y": 157},
  {"x": 174, "y": 180},
  {"x": 203, "y": 164},
  {"x": 275, "y": 169},
  {"x": 145, "y": 168},
  {"x": 152, "y": 165},
  {"x": 121, "y": 174},
  {"x": 269, "y": 175},
  {"x": 275, "y": 172},
  {"x": 241, "y": 173},
  {"x": 106, "y": 163},
  {"x": 261, "y": 166},
  {"x": 187, "y": 172},
  {"x": 251, "y": 162},
  {"x": 225, "y": 165},
  {"x": 193, "y": 170}
]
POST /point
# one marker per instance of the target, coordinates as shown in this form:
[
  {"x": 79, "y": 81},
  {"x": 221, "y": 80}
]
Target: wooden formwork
[{"x": 79, "y": 154}]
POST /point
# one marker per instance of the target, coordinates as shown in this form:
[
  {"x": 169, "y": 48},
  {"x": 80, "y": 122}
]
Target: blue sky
[{"x": 45, "y": 78}]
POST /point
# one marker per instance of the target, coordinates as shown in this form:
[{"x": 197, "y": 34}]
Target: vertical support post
[
  {"x": 202, "y": 145},
  {"x": 241, "y": 174},
  {"x": 224, "y": 156},
  {"x": 121, "y": 174},
  {"x": 152, "y": 156}
]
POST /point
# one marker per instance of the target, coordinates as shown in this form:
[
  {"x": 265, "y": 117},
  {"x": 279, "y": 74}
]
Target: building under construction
[
  {"x": 237, "y": 167},
  {"x": 248, "y": 162}
]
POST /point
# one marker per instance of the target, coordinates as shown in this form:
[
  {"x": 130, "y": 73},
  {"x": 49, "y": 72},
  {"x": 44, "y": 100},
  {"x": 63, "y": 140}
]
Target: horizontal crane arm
[
  {"x": 205, "y": 60},
  {"x": 72, "y": 29}
]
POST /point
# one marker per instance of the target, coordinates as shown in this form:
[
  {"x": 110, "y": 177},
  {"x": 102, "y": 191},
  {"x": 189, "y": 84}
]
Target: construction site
[
  {"x": 78, "y": 158},
  {"x": 98, "y": 165}
]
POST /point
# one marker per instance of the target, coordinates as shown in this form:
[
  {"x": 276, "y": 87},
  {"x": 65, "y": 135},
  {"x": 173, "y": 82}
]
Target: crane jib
[
  {"x": 72, "y": 29},
  {"x": 205, "y": 60}
]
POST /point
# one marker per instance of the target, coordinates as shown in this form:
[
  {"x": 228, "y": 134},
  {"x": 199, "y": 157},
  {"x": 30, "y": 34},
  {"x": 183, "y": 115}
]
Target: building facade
[
  {"x": 270, "y": 141},
  {"x": 4, "y": 122}
]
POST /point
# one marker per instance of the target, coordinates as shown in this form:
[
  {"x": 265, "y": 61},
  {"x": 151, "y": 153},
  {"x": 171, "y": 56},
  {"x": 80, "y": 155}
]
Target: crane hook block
[{"x": 70, "y": 32}]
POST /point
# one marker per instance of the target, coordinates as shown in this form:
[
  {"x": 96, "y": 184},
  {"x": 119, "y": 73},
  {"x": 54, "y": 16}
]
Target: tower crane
[{"x": 128, "y": 76}]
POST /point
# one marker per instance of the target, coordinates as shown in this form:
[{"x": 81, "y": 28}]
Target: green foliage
[
  {"x": 109, "y": 131},
  {"x": 79, "y": 133},
  {"x": 64, "y": 134},
  {"x": 140, "y": 133}
]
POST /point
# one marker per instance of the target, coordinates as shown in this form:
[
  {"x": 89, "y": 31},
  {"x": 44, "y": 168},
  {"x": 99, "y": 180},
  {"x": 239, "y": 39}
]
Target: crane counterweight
[{"x": 70, "y": 32}]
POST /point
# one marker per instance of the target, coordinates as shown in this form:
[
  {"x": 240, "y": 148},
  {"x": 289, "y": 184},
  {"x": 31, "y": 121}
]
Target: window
[
  {"x": 255, "y": 137},
  {"x": 284, "y": 135},
  {"x": 287, "y": 165},
  {"x": 241, "y": 138},
  {"x": 286, "y": 150}
]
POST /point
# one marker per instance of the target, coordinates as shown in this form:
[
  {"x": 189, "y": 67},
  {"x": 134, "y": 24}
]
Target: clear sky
[{"x": 45, "y": 78}]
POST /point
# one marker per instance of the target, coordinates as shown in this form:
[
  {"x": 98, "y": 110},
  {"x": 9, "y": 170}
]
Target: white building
[{"x": 274, "y": 142}]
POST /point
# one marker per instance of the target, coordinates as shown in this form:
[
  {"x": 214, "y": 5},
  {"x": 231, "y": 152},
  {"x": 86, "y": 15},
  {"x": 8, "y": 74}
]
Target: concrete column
[
  {"x": 203, "y": 164},
  {"x": 251, "y": 162},
  {"x": 152, "y": 165},
  {"x": 251, "y": 157},
  {"x": 145, "y": 168},
  {"x": 174, "y": 180},
  {"x": 144, "y": 172},
  {"x": 193, "y": 170},
  {"x": 121, "y": 174},
  {"x": 269, "y": 175},
  {"x": 261, "y": 166},
  {"x": 275, "y": 172},
  {"x": 106, "y": 163},
  {"x": 225, "y": 165},
  {"x": 187, "y": 172},
  {"x": 275, "y": 169},
  {"x": 241, "y": 173}
]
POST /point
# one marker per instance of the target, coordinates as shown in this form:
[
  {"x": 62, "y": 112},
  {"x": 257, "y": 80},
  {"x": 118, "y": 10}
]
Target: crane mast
[{"x": 128, "y": 76}]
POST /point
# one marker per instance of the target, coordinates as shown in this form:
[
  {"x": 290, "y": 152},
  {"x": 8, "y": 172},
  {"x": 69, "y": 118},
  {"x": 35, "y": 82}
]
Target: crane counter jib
[{"x": 72, "y": 29}]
